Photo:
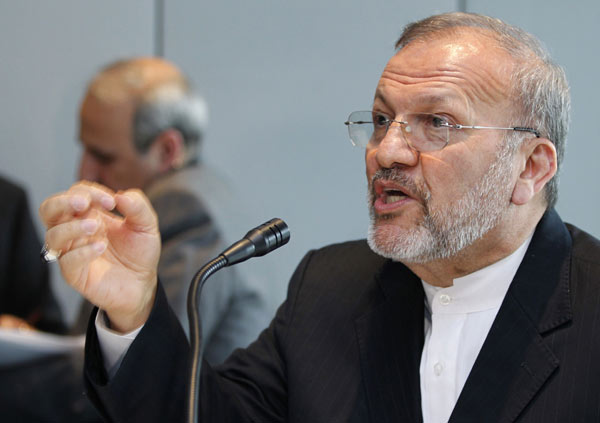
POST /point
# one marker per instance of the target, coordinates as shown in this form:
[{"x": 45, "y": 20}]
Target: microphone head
[
  {"x": 258, "y": 242},
  {"x": 268, "y": 236}
]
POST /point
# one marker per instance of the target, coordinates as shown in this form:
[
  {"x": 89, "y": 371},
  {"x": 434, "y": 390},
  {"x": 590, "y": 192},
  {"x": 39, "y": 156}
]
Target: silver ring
[{"x": 48, "y": 255}]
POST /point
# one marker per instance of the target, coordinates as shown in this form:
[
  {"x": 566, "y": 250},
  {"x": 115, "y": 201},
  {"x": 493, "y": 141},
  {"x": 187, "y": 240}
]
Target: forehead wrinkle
[
  {"x": 438, "y": 92},
  {"x": 476, "y": 84},
  {"x": 424, "y": 98},
  {"x": 463, "y": 67},
  {"x": 482, "y": 85}
]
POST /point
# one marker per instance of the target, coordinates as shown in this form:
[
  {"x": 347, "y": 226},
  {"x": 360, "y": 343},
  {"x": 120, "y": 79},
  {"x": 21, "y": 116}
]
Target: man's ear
[
  {"x": 538, "y": 168},
  {"x": 170, "y": 149}
]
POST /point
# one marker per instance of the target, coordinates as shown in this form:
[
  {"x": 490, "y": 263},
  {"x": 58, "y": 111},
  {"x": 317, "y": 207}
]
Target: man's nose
[
  {"x": 394, "y": 149},
  {"x": 88, "y": 167}
]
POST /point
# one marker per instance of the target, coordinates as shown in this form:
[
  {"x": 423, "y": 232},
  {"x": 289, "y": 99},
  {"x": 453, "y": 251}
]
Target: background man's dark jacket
[{"x": 24, "y": 283}]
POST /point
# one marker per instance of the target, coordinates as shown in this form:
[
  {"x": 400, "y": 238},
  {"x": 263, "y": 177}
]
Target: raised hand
[{"x": 110, "y": 259}]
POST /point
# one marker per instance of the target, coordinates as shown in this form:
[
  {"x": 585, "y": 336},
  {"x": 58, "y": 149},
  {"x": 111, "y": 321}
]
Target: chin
[{"x": 403, "y": 243}]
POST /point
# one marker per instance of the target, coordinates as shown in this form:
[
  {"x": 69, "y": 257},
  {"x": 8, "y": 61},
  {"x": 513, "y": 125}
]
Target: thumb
[{"x": 137, "y": 210}]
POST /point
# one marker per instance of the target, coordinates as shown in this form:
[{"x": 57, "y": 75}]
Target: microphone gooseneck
[{"x": 259, "y": 241}]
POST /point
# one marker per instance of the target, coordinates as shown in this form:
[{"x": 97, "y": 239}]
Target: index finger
[{"x": 79, "y": 198}]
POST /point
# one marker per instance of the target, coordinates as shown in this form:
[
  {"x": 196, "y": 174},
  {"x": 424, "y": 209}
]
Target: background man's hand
[{"x": 110, "y": 259}]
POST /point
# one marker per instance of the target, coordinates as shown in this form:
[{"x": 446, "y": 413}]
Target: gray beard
[{"x": 446, "y": 230}]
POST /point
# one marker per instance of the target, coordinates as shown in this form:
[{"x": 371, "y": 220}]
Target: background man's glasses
[{"x": 422, "y": 131}]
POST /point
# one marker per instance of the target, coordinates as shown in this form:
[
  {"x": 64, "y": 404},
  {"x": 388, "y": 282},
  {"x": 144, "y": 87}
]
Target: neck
[{"x": 496, "y": 244}]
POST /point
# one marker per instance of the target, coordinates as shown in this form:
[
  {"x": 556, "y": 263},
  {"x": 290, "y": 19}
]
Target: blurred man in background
[{"x": 141, "y": 126}]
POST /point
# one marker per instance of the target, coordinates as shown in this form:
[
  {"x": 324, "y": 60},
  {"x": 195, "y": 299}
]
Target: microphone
[{"x": 259, "y": 241}]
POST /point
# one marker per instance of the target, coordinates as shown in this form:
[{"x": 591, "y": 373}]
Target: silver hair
[
  {"x": 170, "y": 107},
  {"x": 540, "y": 86}
]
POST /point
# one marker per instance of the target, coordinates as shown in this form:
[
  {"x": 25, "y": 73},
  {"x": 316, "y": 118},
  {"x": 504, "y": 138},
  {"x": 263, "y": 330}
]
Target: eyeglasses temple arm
[{"x": 516, "y": 128}]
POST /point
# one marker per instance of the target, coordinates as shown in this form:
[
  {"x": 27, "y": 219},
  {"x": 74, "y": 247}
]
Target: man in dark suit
[
  {"x": 38, "y": 389},
  {"x": 471, "y": 301},
  {"x": 26, "y": 298}
]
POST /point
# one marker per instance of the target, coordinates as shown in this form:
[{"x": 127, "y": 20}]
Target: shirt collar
[{"x": 481, "y": 290}]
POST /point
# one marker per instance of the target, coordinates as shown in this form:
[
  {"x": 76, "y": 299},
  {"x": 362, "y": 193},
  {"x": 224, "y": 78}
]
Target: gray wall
[{"x": 280, "y": 78}]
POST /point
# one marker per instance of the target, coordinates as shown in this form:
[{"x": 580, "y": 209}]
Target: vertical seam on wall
[
  {"x": 159, "y": 28},
  {"x": 461, "y": 5}
]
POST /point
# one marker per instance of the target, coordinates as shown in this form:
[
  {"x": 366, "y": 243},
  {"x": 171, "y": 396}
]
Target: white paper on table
[{"x": 17, "y": 346}]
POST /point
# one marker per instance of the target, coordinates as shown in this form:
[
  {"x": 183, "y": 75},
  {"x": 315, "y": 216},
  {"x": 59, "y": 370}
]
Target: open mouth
[
  {"x": 390, "y": 192},
  {"x": 390, "y": 196}
]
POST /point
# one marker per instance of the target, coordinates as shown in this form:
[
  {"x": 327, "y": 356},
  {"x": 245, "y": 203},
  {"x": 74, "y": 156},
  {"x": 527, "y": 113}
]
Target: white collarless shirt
[{"x": 457, "y": 321}]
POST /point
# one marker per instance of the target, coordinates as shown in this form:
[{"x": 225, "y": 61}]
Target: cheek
[
  {"x": 448, "y": 177},
  {"x": 118, "y": 173}
]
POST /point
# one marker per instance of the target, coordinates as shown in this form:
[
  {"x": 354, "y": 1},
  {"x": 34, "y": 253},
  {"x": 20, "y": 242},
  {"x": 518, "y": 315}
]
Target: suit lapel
[
  {"x": 390, "y": 339},
  {"x": 515, "y": 361}
]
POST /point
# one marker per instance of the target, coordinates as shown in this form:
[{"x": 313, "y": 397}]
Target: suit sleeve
[{"x": 151, "y": 384}]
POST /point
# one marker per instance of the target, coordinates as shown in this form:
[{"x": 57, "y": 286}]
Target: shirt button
[
  {"x": 445, "y": 299},
  {"x": 438, "y": 368}
]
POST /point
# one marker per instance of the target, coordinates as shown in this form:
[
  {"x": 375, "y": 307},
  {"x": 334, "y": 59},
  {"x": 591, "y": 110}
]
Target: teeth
[{"x": 392, "y": 199}]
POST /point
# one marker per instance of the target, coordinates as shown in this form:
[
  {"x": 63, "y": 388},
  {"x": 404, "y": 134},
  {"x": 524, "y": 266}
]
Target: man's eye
[
  {"x": 380, "y": 120},
  {"x": 438, "y": 121}
]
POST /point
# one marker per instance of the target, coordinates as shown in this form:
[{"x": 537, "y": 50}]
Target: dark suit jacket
[
  {"x": 24, "y": 284},
  {"x": 346, "y": 345},
  {"x": 44, "y": 389}
]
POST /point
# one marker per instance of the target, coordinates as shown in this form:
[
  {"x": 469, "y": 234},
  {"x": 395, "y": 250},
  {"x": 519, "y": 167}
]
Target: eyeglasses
[{"x": 422, "y": 131}]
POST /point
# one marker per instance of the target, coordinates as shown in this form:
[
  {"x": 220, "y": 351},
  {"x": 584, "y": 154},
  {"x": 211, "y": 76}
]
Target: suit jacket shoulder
[
  {"x": 541, "y": 350},
  {"x": 339, "y": 272},
  {"x": 586, "y": 248},
  {"x": 346, "y": 341}
]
